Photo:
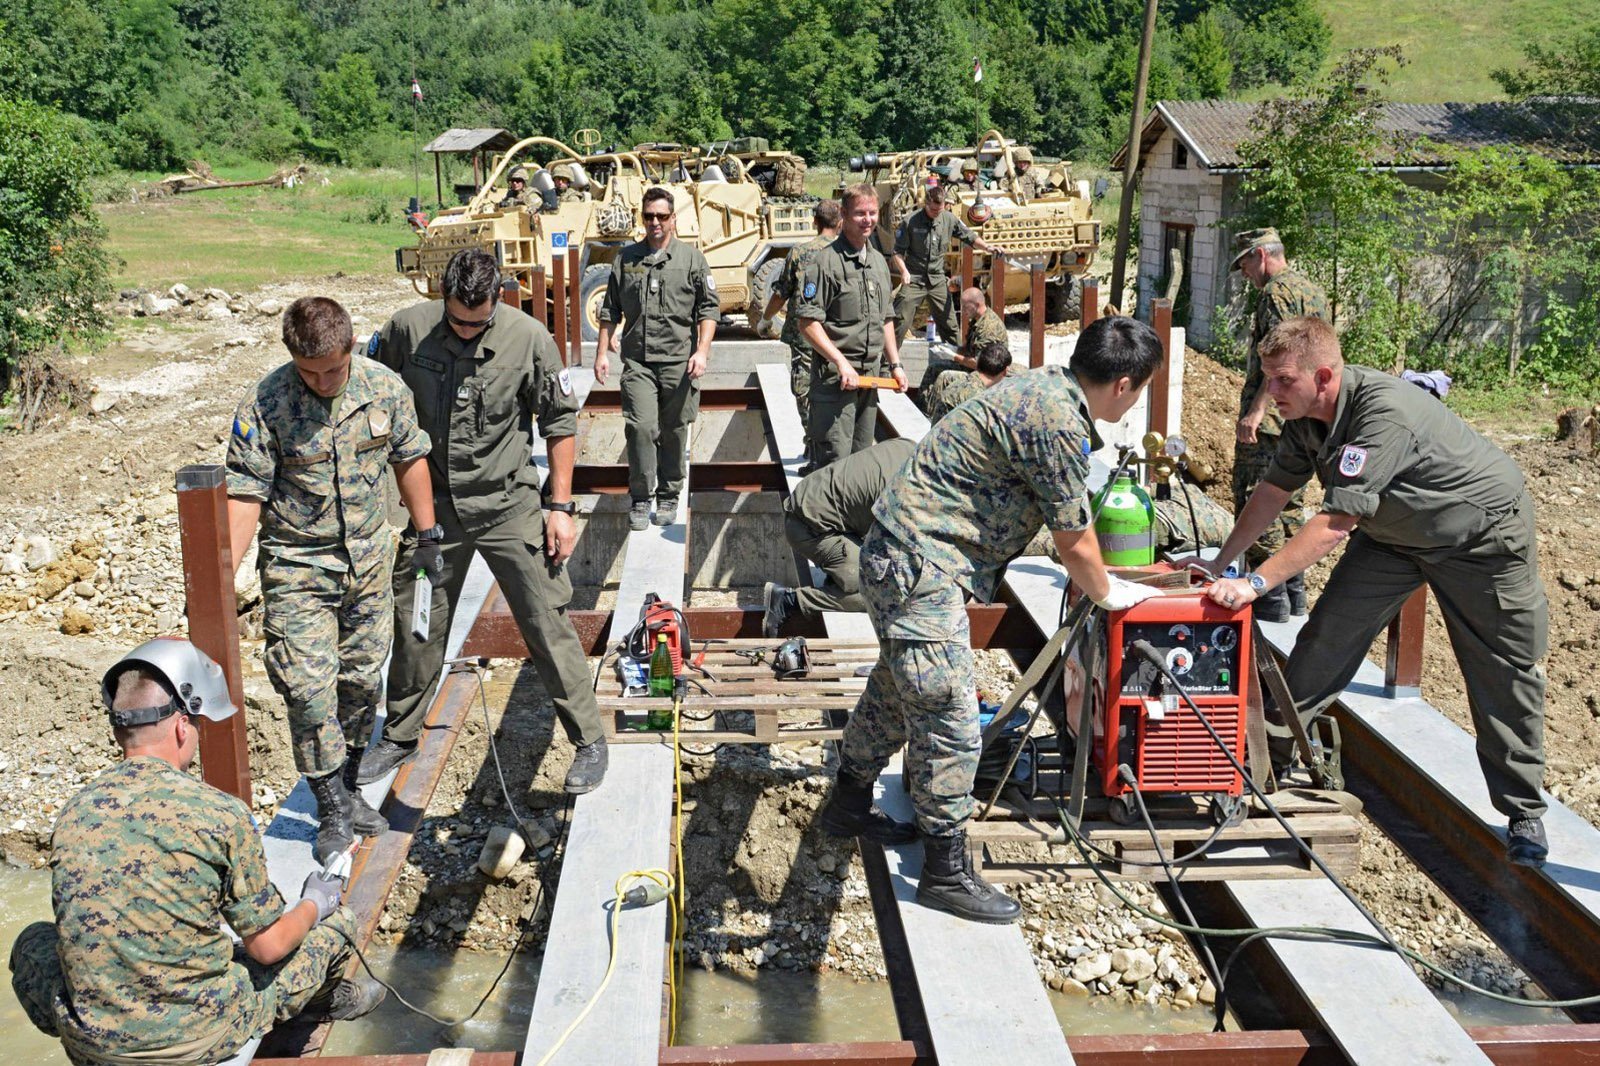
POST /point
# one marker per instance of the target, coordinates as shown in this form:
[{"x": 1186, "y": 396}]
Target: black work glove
[
  {"x": 428, "y": 556},
  {"x": 324, "y": 890}
]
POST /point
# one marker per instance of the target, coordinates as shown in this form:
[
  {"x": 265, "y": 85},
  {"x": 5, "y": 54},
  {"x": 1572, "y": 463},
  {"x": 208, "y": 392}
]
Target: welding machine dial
[
  {"x": 1225, "y": 638},
  {"x": 1180, "y": 633},
  {"x": 1179, "y": 660}
]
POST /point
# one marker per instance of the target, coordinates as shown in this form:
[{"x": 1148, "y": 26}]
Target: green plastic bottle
[
  {"x": 661, "y": 683},
  {"x": 1126, "y": 525}
]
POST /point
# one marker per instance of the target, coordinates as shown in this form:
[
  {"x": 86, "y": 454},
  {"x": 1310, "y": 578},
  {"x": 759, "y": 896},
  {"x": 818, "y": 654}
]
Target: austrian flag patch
[{"x": 1352, "y": 460}]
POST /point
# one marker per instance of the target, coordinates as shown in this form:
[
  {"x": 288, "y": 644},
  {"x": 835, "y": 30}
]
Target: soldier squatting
[{"x": 448, "y": 395}]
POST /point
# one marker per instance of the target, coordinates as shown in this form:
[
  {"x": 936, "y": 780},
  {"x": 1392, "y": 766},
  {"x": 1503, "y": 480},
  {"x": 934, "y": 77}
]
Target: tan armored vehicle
[
  {"x": 1054, "y": 228},
  {"x": 744, "y": 234}
]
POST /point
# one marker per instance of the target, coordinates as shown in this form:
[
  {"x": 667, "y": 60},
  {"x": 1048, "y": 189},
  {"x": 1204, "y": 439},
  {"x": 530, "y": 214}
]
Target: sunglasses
[
  {"x": 651, "y": 216},
  {"x": 467, "y": 323}
]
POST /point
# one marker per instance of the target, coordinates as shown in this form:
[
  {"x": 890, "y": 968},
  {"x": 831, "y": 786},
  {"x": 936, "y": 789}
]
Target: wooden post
[
  {"x": 1161, "y": 322},
  {"x": 1089, "y": 302},
  {"x": 558, "y": 289},
  {"x": 1036, "y": 317},
  {"x": 574, "y": 308},
  {"x": 1402, "y": 660},
  {"x": 538, "y": 293},
  {"x": 997, "y": 284},
  {"x": 213, "y": 615},
  {"x": 966, "y": 283}
]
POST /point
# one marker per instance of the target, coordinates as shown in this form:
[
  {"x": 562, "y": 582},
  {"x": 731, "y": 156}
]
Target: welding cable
[
  {"x": 680, "y": 902},
  {"x": 1320, "y": 934},
  {"x": 639, "y": 893}
]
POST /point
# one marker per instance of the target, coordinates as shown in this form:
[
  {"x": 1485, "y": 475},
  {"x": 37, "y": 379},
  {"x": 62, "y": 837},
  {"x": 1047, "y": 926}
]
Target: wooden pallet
[
  {"x": 743, "y": 703},
  {"x": 1257, "y": 848}
]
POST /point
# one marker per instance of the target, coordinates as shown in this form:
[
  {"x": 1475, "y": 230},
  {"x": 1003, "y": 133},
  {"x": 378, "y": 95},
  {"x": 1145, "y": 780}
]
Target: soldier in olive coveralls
[
  {"x": 825, "y": 216},
  {"x": 921, "y": 244},
  {"x": 1284, "y": 293},
  {"x": 976, "y": 490},
  {"x": 662, "y": 293},
  {"x": 1422, "y": 499},
  {"x": 844, "y": 313},
  {"x": 483, "y": 374}
]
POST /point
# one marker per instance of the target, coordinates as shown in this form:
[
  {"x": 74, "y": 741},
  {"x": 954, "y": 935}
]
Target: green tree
[
  {"x": 53, "y": 264},
  {"x": 348, "y": 106},
  {"x": 1207, "y": 64},
  {"x": 1569, "y": 69}
]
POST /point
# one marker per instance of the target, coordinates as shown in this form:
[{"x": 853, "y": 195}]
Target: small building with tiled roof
[{"x": 1190, "y": 174}]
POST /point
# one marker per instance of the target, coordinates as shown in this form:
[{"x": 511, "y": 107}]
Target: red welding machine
[{"x": 1140, "y": 719}]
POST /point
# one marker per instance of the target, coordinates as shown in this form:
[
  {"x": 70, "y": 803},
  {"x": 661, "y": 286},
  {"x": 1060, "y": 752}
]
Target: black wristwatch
[
  {"x": 435, "y": 534},
  {"x": 565, "y": 508}
]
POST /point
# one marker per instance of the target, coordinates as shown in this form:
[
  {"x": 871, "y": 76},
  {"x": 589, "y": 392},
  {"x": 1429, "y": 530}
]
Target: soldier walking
[
  {"x": 825, "y": 216},
  {"x": 845, "y": 315},
  {"x": 484, "y": 375},
  {"x": 975, "y": 492},
  {"x": 1283, "y": 293},
  {"x": 1416, "y": 496},
  {"x": 921, "y": 244},
  {"x": 662, "y": 294},
  {"x": 147, "y": 863},
  {"x": 311, "y": 443}
]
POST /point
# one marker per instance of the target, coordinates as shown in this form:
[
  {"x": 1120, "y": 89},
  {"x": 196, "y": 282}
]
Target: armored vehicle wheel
[
  {"x": 1061, "y": 302},
  {"x": 590, "y": 293},
  {"x": 766, "y": 276}
]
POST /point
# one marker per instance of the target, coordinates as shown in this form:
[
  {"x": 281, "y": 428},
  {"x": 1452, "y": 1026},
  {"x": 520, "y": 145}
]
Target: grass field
[
  {"x": 1452, "y": 45},
  {"x": 238, "y": 239}
]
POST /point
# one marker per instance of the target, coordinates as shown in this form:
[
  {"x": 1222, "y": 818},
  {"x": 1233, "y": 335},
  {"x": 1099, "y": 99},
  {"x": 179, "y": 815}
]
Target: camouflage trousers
[
  {"x": 921, "y": 694},
  {"x": 283, "y": 990},
  {"x": 1250, "y": 463},
  {"x": 930, "y": 374},
  {"x": 800, "y": 357},
  {"x": 327, "y": 636}
]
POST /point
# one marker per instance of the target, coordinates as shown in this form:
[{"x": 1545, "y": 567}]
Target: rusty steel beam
[
  {"x": 213, "y": 615},
  {"x": 558, "y": 287},
  {"x": 496, "y": 636},
  {"x": 1402, "y": 656},
  {"x": 538, "y": 304},
  {"x": 1088, "y": 302},
  {"x": 1036, "y": 317},
  {"x": 1161, "y": 322},
  {"x": 997, "y": 284},
  {"x": 574, "y": 310},
  {"x": 612, "y": 478},
  {"x": 722, "y": 398}
]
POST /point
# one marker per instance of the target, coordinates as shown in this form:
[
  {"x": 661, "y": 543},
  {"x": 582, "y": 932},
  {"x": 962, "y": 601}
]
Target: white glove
[{"x": 1124, "y": 594}]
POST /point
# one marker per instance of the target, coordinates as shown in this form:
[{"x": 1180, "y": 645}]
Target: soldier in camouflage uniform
[
  {"x": 562, "y": 176},
  {"x": 1284, "y": 293},
  {"x": 921, "y": 245},
  {"x": 519, "y": 194},
  {"x": 955, "y": 387},
  {"x": 984, "y": 326},
  {"x": 845, "y": 314},
  {"x": 978, "y": 486},
  {"x": 1026, "y": 183},
  {"x": 825, "y": 216},
  {"x": 147, "y": 862},
  {"x": 311, "y": 444}
]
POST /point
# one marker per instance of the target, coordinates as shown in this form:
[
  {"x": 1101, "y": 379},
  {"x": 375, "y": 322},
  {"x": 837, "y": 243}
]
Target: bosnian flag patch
[{"x": 1352, "y": 460}]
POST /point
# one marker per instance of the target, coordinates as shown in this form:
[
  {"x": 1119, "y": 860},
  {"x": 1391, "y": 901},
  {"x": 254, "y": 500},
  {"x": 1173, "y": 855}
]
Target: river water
[{"x": 717, "y": 1008}]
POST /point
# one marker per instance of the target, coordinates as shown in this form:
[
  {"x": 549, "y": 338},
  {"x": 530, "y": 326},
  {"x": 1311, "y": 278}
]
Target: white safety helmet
[{"x": 197, "y": 683}]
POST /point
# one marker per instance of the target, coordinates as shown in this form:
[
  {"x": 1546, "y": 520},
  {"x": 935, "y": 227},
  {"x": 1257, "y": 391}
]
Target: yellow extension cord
[{"x": 674, "y": 887}]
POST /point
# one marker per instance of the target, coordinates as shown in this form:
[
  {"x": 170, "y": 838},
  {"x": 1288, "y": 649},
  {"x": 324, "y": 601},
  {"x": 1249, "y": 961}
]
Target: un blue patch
[
  {"x": 372, "y": 346},
  {"x": 810, "y": 292}
]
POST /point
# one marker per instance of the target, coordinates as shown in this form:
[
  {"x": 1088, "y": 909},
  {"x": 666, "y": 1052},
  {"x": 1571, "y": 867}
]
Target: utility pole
[{"x": 1130, "y": 165}]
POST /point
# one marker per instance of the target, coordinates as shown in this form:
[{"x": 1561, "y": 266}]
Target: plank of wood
[
  {"x": 623, "y": 825},
  {"x": 1364, "y": 1017},
  {"x": 960, "y": 964}
]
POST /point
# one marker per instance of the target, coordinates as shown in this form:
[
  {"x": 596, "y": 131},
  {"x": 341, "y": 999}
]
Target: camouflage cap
[
  {"x": 1022, "y": 154},
  {"x": 518, "y": 174},
  {"x": 969, "y": 166},
  {"x": 1251, "y": 239},
  {"x": 562, "y": 170}
]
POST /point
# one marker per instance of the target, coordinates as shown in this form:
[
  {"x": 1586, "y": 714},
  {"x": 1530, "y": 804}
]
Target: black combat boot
[
  {"x": 1272, "y": 605},
  {"x": 382, "y": 757},
  {"x": 363, "y": 817},
  {"x": 1296, "y": 587},
  {"x": 950, "y": 884},
  {"x": 347, "y": 999},
  {"x": 334, "y": 831},
  {"x": 849, "y": 813},
  {"x": 588, "y": 768}
]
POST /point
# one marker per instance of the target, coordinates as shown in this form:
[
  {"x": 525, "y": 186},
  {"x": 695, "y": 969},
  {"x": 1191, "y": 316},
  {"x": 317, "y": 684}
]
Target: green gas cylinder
[{"x": 1126, "y": 523}]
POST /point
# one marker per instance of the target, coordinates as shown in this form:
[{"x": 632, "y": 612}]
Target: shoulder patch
[
  {"x": 374, "y": 342},
  {"x": 711, "y": 282},
  {"x": 1352, "y": 460},
  {"x": 810, "y": 292},
  {"x": 244, "y": 430},
  {"x": 564, "y": 379}
]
